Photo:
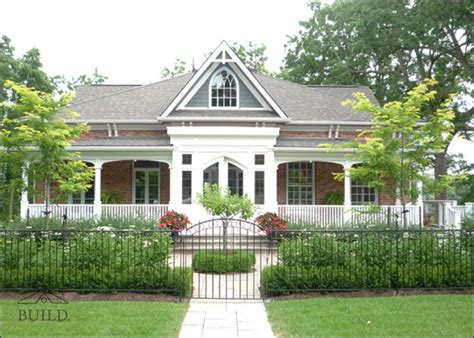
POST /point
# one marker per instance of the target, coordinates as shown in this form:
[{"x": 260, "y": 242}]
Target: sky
[{"x": 131, "y": 41}]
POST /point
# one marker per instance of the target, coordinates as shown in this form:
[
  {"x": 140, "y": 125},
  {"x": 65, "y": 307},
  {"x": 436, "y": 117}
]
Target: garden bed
[{"x": 218, "y": 261}]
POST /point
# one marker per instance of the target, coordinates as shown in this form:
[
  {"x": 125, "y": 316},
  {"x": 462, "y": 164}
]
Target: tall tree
[
  {"x": 397, "y": 147},
  {"x": 178, "y": 68},
  {"x": 253, "y": 56},
  {"x": 33, "y": 134},
  {"x": 390, "y": 46}
]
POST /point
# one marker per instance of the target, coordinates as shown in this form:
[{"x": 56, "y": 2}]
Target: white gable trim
[{"x": 216, "y": 56}]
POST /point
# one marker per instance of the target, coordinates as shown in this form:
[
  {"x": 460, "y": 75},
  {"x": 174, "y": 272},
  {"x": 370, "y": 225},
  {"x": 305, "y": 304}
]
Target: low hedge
[
  {"x": 209, "y": 261},
  {"x": 91, "y": 261},
  {"x": 371, "y": 260}
]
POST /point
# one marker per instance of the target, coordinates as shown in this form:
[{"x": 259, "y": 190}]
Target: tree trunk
[
  {"x": 439, "y": 170},
  {"x": 46, "y": 201},
  {"x": 11, "y": 202}
]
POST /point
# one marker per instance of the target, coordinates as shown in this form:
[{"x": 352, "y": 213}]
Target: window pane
[
  {"x": 186, "y": 187},
  {"x": 211, "y": 174},
  {"x": 187, "y": 159},
  {"x": 259, "y": 187},
  {"x": 223, "y": 90},
  {"x": 259, "y": 159},
  {"x": 235, "y": 180},
  {"x": 300, "y": 183}
]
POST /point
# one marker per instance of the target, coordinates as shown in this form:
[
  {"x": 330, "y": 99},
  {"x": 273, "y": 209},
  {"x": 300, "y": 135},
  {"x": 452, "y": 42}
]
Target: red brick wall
[
  {"x": 281, "y": 184},
  {"x": 387, "y": 197},
  {"x": 164, "y": 183},
  {"x": 117, "y": 176},
  {"x": 325, "y": 181},
  {"x": 319, "y": 134},
  {"x": 94, "y": 134}
]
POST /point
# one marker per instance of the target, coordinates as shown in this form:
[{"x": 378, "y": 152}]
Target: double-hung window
[
  {"x": 300, "y": 183},
  {"x": 146, "y": 182}
]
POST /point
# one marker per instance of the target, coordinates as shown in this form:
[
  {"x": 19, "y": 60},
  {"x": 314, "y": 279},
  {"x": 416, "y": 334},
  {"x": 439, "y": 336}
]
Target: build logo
[{"x": 43, "y": 307}]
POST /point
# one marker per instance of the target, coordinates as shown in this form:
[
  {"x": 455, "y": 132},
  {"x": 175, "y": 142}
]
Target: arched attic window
[{"x": 223, "y": 89}]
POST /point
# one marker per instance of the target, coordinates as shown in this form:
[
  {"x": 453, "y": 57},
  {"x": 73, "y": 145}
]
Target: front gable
[{"x": 223, "y": 83}]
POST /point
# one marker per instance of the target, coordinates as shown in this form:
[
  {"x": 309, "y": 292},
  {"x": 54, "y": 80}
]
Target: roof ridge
[{"x": 129, "y": 89}]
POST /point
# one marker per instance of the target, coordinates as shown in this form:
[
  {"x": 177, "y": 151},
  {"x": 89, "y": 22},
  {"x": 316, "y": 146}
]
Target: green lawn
[
  {"x": 428, "y": 315},
  {"x": 96, "y": 318}
]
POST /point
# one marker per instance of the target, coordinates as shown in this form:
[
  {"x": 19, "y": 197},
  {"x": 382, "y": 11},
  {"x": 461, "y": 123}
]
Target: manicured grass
[
  {"x": 427, "y": 315},
  {"x": 96, "y": 318}
]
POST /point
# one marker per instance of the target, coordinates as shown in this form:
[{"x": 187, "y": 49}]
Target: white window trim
[
  {"x": 313, "y": 182},
  {"x": 356, "y": 185},
  {"x": 236, "y": 79},
  {"x": 146, "y": 170}
]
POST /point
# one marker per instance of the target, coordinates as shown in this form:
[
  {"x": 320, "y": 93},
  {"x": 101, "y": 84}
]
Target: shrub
[
  {"x": 85, "y": 224},
  {"x": 91, "y": 261},
  {"x": 334, "y": 198},
  {"x": 270, "y": 221},
  {"x": 174, "y": 221},
  {"x": 223, "y": 262},
  {"x": 371, "y": 260}
]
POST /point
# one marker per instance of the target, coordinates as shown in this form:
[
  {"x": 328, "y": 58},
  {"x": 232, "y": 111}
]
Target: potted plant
[
  {"x": 174, "y": 221},
  {"x": 271, "y": 223}
]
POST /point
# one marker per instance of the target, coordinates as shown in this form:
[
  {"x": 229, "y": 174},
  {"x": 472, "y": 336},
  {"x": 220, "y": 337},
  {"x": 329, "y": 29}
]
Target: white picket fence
[{"x": 339, "y": 216}]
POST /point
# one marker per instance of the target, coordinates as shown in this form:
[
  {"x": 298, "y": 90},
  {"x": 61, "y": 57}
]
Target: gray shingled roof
[
  {"x": 124, "y": 141},
  {"x": 316, "y": 103},
  {"x": 143, "y": 102},
  {"x": 147, "y": 102}
]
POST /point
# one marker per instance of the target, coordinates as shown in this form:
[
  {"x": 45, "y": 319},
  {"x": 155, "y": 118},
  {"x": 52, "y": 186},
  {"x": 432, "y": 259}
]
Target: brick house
[{"x": 154, "y": 146}]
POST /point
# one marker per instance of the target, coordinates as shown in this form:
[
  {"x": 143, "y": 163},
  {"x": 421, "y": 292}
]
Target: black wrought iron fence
[
  {"x": 91, "y": 260},
  {"x": 369, "y": 259}
]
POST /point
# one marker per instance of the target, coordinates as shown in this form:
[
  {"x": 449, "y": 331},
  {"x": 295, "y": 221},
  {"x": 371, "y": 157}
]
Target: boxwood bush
[
  {"x": 371, "y": 260},
  {"x": 90, "y": 261},
  {"x": 218, "y": 261}
]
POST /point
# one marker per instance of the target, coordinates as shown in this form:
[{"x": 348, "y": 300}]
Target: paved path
[{"x": 226, "y": 319}]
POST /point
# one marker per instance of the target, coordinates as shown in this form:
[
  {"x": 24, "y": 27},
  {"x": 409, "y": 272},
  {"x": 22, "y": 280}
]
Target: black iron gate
[{"x": 227, "y": 257}]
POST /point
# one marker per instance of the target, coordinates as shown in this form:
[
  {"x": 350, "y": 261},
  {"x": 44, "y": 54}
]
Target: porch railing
[
  {"x": 72, "y": 211},
  {"x": 86, "y": 211},
  {"x": 339, "y": 215},
  {"x": 321, "y": 215},
  {"x": 132, "y": 211}
]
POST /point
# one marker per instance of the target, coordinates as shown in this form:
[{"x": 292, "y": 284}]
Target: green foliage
[
  {"x": 390, "y": 46},
  {"x": 33, "y": 133},
  {"x": 208, "y": 261},
  {"x": 225, "y": 204},
  {"x": 468, "y": 223},
  {"x": 334, "y": 198},
  {"x": 368, "y": 260},
  {"x": 90, "y": 261},
  {"x": 111, "y": 197},
  {"x": 178, "y": 68},
  {"x": 85, "y": 224},
  {"x": 253, "y": 56},
  {"x": 397, "y": 147}
]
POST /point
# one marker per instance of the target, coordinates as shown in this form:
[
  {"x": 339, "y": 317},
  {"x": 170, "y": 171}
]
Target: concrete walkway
[{"x": 226, "y": 319}]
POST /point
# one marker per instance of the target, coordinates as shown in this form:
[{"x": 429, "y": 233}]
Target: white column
[
  {"x": 175, "y": 180},
  {"x": 24, "y": 194},
  {"x": 97, "y": 190},
  {"x": 271, "y": 202},
  {"x": 347, "y": 194}
]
